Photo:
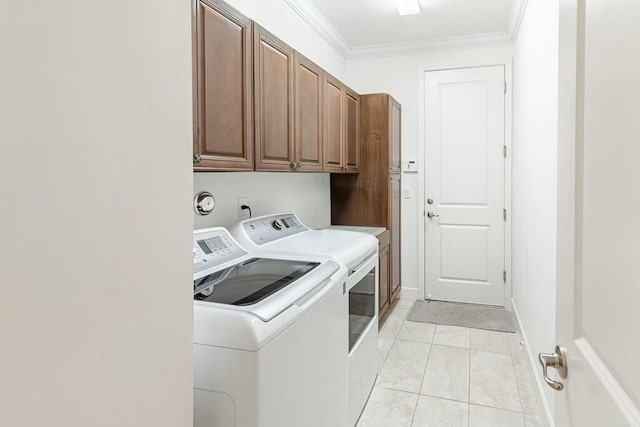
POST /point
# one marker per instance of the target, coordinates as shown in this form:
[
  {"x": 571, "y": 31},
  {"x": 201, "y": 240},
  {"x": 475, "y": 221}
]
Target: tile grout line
[
  {"x": 499, "y": 409},
  {"x": 469, "y": 389},
  {"x": 517, "y": 387},
  {"x": 415, "y": 408}
]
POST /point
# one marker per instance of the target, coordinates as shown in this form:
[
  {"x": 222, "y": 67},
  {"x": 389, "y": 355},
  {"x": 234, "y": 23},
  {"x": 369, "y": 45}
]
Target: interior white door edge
[{"x": 597, "y": 274}]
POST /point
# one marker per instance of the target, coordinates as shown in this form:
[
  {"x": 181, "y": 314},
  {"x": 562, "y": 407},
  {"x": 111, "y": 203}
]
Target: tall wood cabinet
[
  {"x": 224, "y": 93},
  {"x": 372, "y": 198}
]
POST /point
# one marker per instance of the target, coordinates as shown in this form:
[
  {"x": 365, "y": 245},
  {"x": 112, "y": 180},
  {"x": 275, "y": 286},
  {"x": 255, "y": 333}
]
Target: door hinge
[
  {"x": 504, "y": 214},
  {"x": 504, "y": 151},
  {"x": 504, "y": 276},
  {"x": 505, "y": 87}
]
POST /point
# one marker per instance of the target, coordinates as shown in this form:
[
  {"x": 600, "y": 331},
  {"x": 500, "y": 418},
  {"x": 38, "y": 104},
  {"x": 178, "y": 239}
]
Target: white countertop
[{"x": 374, "y": 231}]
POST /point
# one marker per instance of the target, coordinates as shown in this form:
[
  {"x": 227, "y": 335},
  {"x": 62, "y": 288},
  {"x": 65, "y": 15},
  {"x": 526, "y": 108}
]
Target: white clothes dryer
[
  {"x": 269, "y": 337},
  {"x": 285, "y": 234}
]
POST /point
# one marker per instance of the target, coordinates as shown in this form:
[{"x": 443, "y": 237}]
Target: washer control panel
[
  {"x": 214, "y": 247},
  {"x": 273, "y": 227}
]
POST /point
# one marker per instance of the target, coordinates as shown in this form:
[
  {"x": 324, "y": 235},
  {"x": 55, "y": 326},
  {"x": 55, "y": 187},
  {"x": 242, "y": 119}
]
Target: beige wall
[{"x": 95, "y": 202}]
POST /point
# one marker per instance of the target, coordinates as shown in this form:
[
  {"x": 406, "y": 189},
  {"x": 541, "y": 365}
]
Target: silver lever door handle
[
  {"x": 432, "y": 215},
  {"x": 556, "y": 360}
]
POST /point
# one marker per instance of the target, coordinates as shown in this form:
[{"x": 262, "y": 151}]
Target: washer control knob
[{"x": 277, "y": 224}]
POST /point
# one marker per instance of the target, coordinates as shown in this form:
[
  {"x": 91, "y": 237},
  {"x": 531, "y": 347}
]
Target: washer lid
[
  {"x": 250, "y": 281},
  {"x": 265, "y": 287}
]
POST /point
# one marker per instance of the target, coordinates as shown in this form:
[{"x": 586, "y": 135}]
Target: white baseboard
[
  {"x": 408, "y": 293},
  {"x": 533, "y": 366}
]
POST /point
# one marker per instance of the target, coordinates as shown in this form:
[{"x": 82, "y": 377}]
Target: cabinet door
[
  {"x": 352, "y": 131},
  {"x": 394, "y": 213},
  {"x": 224, "y": 92},
  {"x": 333, "y": 125},
  {"x": 273, "y": 86},
  {"x": 308, "y": 115},
  {"x": 395, "y": 136},
  {"x": 383, "y": 277}
]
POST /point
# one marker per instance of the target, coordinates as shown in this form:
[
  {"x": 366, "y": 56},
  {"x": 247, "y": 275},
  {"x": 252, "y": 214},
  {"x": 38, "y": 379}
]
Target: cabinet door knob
[
  {"x": 197, "y": 158},
  {"x": 292, "y": 165}
]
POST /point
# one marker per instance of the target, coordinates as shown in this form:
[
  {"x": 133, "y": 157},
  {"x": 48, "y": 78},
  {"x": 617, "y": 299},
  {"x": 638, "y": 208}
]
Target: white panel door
[
  {"x": 464, "y": 188},
  {"x": 598, "y": 221}
]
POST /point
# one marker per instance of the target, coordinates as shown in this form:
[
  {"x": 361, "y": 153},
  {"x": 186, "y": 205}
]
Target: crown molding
[
  {"x": 518, "y": 8},
  {"x": 435, "y": 45},
  {"x": 332, "y": 36},
  {"x": 321, "y": 26}
]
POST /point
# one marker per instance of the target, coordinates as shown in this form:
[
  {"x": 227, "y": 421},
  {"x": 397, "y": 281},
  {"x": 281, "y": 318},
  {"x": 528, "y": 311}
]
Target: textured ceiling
[{"x": 372, "y": 22}]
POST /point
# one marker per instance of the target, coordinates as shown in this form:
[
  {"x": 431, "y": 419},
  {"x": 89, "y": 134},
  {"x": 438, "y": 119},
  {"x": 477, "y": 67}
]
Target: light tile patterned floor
[{"x": 437, "y": 375}]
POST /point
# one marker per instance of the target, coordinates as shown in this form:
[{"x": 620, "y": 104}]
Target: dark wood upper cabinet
[
  {"x": 352, "y": 131},
  {"x": 309, "y": 114},
  {"x": 224, "y": 93},
  {"x": 395, "y": 136},
  {"x": 333, "y": 125},
  {"x": 259, "y": 105},
  {"x": 274, "y": 101},
  {"x": 341, "y": 127}
]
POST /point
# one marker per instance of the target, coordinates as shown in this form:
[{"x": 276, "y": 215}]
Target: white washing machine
[
  {"x": 269, "y": 337},
  {"x": 285, "y": 234}
]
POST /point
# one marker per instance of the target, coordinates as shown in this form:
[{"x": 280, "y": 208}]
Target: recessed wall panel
[
  {"x": 464, "y": 253},
  {"x": 463, "y": 144}
]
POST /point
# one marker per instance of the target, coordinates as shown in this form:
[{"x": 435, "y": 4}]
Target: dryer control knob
[{"x": 277, "y": 224}]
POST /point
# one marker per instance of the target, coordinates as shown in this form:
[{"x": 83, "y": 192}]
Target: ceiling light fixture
[{"x": 408, "y": 7}]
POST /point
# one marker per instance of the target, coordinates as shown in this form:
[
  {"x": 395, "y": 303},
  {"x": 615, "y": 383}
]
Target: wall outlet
[{"x": 243, "y": 200}]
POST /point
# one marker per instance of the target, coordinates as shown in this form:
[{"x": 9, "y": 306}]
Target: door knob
[
  {"x": 432, "y": 215},
  {"x": 556, "y": 360}
]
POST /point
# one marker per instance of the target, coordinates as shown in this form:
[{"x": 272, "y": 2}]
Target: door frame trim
[{"x": 507, "y": 62}]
